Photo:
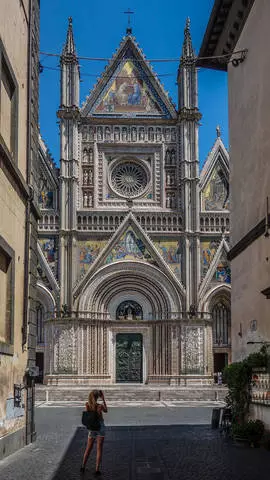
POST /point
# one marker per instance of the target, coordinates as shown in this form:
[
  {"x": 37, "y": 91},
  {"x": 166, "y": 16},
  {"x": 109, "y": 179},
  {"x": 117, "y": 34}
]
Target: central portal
[{"x": 129, "y": 358}]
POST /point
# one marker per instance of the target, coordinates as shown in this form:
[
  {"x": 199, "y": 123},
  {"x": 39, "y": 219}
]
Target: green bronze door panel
[{"x": 129, "y": 358}]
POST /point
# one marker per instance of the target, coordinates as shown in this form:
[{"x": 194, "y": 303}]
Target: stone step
[{"x": 132, "y": 394}]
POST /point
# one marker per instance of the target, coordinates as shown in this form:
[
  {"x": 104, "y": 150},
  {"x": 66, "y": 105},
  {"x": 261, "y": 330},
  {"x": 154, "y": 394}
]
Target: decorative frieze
[{"x": 127, "y": 133}]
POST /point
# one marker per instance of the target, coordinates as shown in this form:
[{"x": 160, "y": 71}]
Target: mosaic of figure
[
  {"x": 88, "y": 252},
  {"x": 216, "y": 193},
  {"x": 128, "y": 92},
  {"x": 171, "y": 252},
  {"x": 223, "y": 272},
  {"x": 208, "y": 250},
  {"x": 45, "y": 199},
  {"x": 48, "y": 246},
  {"x": 129, "y": 247}
]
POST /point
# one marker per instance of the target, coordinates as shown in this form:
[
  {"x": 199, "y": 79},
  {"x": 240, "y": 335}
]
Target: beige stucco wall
[
  {"x": 250, "y": 275},
  {"x": 12, "y": 221},
  {"x": 249, "y": 114},
  {"x": 14, "y": 35}
]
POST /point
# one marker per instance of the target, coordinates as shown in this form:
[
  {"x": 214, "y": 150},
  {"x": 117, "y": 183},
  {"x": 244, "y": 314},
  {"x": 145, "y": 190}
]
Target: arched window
[
  {"x": 40, "y": 323},
  {"x": 221, "y": 314}
]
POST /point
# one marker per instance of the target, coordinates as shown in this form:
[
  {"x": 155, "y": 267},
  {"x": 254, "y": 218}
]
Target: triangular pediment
[
  {"x": 129, "y": 244},
  {"x": 219, "y": 270},
  {"x": 214, "y": 181},
  {"x": 128, "y": 88}
]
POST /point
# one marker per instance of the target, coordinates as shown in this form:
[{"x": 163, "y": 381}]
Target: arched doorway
[
  {"x": 129, "y": 352},
  {"x": 221, "y": 315}
]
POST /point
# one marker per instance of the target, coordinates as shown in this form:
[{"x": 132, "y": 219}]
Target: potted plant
[{"x": 250, "y": 432}]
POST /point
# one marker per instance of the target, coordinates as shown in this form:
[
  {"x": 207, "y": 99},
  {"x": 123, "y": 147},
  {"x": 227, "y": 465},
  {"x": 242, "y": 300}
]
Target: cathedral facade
[{"x": 134, "y": 282}]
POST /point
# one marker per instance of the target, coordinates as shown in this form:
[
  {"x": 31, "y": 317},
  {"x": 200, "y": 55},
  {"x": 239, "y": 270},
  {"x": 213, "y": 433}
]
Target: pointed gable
[
  {"x": 129, "y": 243},
  {"x": 129, "y": 88},
  {"x": 214, "y": 183}
]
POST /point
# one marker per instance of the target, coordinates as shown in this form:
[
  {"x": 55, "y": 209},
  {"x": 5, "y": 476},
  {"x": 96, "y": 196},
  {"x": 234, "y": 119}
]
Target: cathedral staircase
[{"x": 130, "y": 393}]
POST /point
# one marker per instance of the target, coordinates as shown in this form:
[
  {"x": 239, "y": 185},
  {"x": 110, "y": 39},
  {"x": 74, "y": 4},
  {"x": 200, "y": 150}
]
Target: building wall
[
  {"x": 16, "y": 234},
  {"x": 249, "y": 112}
]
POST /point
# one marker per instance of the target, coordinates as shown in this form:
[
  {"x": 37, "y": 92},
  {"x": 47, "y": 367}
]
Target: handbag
[{"x": 91, "y": 420}]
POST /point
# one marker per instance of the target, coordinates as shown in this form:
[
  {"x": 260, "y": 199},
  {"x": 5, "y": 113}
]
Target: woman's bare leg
[
  {"x": 100, "y": 441},
  {"x": 90, "y": 443}
]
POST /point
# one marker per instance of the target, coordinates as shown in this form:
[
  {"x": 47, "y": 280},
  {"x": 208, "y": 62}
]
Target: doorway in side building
[
  {"x": 40, "y": 365},
  {"x": 220, "y": 362}
]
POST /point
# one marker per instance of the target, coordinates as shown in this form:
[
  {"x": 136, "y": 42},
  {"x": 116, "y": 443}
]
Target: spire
[
  {"x": 187, "y": 51},
  {"x": 69, "y": 47}
]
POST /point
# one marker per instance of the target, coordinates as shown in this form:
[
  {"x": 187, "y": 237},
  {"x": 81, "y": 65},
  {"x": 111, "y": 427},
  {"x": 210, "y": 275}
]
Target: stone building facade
[
  {"x": 133, "y": 239},
  {"x": 243, "y": 27},
  {"x": 19, "y": 146}
]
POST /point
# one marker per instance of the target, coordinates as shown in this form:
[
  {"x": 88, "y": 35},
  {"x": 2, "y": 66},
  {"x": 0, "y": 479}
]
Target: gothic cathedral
[{"x": 134, "y": 282}]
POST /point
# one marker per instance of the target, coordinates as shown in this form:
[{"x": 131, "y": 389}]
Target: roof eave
[{"x": 224, "y": 28}]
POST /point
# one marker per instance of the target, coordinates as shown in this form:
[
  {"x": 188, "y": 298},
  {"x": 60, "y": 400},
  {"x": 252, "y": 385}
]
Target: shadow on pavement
[{"x": 164, "y": 453}]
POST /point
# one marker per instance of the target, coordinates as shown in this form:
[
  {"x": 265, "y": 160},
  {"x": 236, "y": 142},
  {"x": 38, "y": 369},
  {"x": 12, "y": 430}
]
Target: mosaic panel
[
  {"x": 128, "y": 93},
  {"x": 88, "y": 252},
  {"x": 170, "y": 251},
  {"x": 49, "y": 247},
  {"x": 129, "y": 247},
  {"x": 215, "y": 195},
  {"x": 223, "y": 271},
  {"x": 208, "y": 251}
]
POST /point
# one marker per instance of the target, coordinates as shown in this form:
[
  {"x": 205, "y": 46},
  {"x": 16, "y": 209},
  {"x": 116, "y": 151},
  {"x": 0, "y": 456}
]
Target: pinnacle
[
  {"x": 69, "y": 47},
  {"x": 187, "y": 51}
]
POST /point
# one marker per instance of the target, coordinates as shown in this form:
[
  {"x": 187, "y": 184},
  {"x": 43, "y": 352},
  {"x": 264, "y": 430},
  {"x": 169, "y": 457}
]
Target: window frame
[
  {"x": 7, "y": 348},
  {"x": 13, "y": 150}
]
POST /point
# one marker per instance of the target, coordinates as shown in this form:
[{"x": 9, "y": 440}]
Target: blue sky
[{"x": 158, "y": 26}]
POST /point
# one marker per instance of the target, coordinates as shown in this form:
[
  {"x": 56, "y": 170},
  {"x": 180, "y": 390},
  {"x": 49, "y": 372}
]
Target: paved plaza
[{"x": 142, "y": 442}]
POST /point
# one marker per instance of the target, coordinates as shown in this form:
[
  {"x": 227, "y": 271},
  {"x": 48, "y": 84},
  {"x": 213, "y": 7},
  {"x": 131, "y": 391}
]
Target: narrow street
[{"x": 166, "y": 442}]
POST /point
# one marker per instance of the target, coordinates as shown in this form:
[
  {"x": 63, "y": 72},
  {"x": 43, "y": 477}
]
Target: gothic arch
[
  {"x": 145, "y": 281},
  {"x": 215, "y": 292},
  {"x": 45, "y": 298}
]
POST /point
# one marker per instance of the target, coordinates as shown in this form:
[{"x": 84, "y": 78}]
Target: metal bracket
[{"x": 239, "y": 58}]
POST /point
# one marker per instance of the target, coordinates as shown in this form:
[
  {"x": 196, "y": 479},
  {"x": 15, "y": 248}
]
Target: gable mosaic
[
  {"x": 128, "y": 92},
  {"x": 215, "y": 196}
]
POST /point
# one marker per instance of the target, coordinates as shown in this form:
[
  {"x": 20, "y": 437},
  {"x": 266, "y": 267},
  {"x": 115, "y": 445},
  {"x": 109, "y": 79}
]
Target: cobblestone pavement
[{"x": 141, "y": 443}]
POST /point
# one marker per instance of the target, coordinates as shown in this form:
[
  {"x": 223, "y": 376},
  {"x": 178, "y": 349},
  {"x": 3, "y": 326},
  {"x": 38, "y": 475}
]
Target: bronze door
[{"x": 129, "y": 358}]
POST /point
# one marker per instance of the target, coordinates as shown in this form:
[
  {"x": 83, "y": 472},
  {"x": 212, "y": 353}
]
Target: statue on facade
[
  {"x": 99, "y": 133},
  {"x": 173, "y": 157},
  {"x": 116, "y": 134},
  {"x": 124, "y": 134},
  {"x": 85, "y": 200},
  {"x": 85, "y": 156},
  {"x": 90, "y": 177},
  {"x": 141, "y": 134},
  {"x": 85, "y": 177},
  {"x": 108, "y": 134},
  {"x": 167, "y": 134},
  {"x": 90, "y": 200},
  {"x": 158, "y": 133},
  {"x": 91, "y": 155},
  {"x": 134, "y": 134},
  {"x": 150, "y": 134}
]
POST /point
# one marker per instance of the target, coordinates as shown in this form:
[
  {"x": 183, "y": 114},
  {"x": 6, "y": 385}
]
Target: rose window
[{"x": 129, "y": 179}]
